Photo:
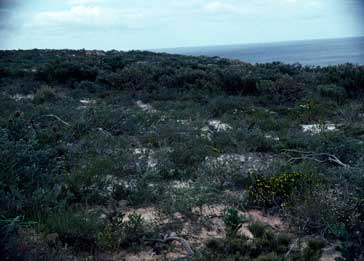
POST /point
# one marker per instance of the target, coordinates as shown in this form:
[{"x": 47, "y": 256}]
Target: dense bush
[
  {"x": 28, "y": 169},
  {"x": 66, "y": 71},
  {"x": 235, "y": 82},
  {"x": 73, "y": 228},
  {"x": 264, "y": 246},
  {"x": 75, "y": 138},
  {"x": 349, "y": 76},
  {"x": 45, "y": 94},
  {"x": 332, "y": 91}
]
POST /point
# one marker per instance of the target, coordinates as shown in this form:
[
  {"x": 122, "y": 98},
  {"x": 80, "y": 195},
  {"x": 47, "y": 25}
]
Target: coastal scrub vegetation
[{"x": 119, "y": 154}]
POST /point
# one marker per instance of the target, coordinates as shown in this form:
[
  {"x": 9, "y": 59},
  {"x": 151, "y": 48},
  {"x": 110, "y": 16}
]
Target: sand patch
[
  {"x": 318, "y": 128},
  {"x": 145, "y": 107},
  {"x": 20, "y": 97}
]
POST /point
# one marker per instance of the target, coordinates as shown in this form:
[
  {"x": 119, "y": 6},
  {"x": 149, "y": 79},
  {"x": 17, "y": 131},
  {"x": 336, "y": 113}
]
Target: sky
[{"x": 156, "y": 24}]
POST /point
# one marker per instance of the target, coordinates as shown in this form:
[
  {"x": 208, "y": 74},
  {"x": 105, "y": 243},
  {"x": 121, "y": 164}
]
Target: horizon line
[{"x": 161, "y": 50}]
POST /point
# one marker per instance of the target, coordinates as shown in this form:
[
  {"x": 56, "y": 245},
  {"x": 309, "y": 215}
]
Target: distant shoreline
[{"x": 319, "y": 52}]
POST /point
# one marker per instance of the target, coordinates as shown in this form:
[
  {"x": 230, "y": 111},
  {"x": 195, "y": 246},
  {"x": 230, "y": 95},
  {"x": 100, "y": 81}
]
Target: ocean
[{"x": 309, "y": 52}]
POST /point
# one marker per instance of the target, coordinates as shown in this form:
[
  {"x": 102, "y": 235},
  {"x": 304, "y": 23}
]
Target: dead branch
[
  {"x": 314, "y": 156},
  {"x": 296, "y": 243},
  {"x": 172, "y": 237},
  {"x": 57, "y": 118}
]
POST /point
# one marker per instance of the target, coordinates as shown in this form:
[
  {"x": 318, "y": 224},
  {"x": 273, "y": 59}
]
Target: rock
[{"x": 145, "y": 107}]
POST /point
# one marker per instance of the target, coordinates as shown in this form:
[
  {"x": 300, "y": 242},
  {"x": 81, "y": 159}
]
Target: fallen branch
[
  {"x": 297, "y": 243},
  {"x": 57, "y": 118},
  {"x": 172, "y": 237},
  {"x": 314, "y": 156},
  {"x": 292, "y": 246}
]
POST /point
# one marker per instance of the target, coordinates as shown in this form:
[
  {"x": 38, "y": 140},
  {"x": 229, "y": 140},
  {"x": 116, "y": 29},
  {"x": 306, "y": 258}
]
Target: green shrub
[
  {"x": 332, "y": 91},
  {"x": 90, "y": 87},
  {"x": 234, "y": 82},
  {"x": 140, "y": 192},
  {"x": 264, "y": 246},
  {"x": 89, "y": 184},
  {"x": 220, "y": 105},
  {"x": 284, "y": 90},
  {"x": 326, "y": 211},
  {"x": 233, "y": 221},
  {"x": 121, "y": 233},
  {"x": 221, "y": 173},
  {"x": 313, "y": 250},
  {"x": 29, "y": 172},
  {"x": 9, "y": 238},
  {"x": 258, "y": 229},
  {"x": 183, "y": 200},
  {"x": 74, "y": 228},
  {"x": 45, "y": 94},
  {"x": 66, "y": 71}
]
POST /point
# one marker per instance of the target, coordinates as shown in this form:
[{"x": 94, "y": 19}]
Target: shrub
[
  {"x": 234, "y": 82},
  {"x": 285, "y": 90},
  {"x": 122, "y": 233},
  {"x": 264, "y": 246},
  {"x": 90, "y": 86},
  {"x": 138, "y": 191},
  {"x": 347, "y": 75},
  {"x": 183, "y": 200},
  {"x": 9, "y": 238},
  {"x": 89, "y": 184},
  {"x": 313, "y": 250},
  {"x": 332, "y": 91},
  {"x": 45, "y": 94},
  {"x": 233, "y": 221},
  {"x": 74, "y": 228},
  {"x": 29, "y": 173},
  {"x": 221, "y": 173},
  {"x": 66, "y": 71},
  {"x": 275, "y": 190},
  {"x": 220, "y": 105}
]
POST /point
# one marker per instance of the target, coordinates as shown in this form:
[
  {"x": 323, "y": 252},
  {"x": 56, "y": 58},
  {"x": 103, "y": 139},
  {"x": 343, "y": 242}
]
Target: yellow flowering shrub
[{"x": 275, "y": 190}]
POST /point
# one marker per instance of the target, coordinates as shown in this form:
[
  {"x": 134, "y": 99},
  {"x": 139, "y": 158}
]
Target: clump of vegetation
[
  {"x": 313, "y": 250},
  {"x": 45, "y": 94},
  {"x": 89, "y": 184},
  {"x": 264, "y": 246},
  {"x": 275, "y": 190},
  {"x": 120, "y": 233},
  {"x": 332, "y": 91},
  {"x": 73, "y": 228},
  {"x": 233, "y": 221}
]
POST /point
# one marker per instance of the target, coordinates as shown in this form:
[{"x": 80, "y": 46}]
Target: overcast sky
[{"x": 150, "y": 24}]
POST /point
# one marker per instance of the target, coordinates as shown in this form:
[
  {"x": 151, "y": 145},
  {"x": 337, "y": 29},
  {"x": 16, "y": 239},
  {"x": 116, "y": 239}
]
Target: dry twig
[{"x": 314, "y": 156}]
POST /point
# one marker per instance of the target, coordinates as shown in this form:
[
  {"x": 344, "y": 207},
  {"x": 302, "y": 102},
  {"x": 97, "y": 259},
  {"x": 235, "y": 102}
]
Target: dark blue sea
[{"x": 313, "y": 52}]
